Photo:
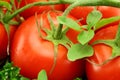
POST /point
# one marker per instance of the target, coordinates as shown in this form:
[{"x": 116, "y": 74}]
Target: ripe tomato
[
  {"x": 4, "y": 40},
  {"x": 32, "y": 53},
  {"x": 80, "y": 12},
  {"x": 110, "y": 70},
  {"x": 108, "y": 12},
  {"x": 39, "y": 9}
]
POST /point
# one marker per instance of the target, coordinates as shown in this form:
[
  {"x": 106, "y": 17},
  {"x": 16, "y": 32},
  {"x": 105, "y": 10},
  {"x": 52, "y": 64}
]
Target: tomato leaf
[
  {"x": 85, "y": 36},
  {"x": 42, "y": 75},
  {"x": 106, "y": 21},
  {"x": 79, "y": 51},
  {"x": 69, "y": 22},
  {"x": 93, "y": 18}
]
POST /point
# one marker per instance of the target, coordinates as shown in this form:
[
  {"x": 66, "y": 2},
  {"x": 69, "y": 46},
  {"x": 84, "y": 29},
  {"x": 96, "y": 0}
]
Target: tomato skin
[
  {"x": 37, "y": 53},
  {"x": 108, "y": 12},
  {"x": 80, "y": 12},
  {"x": 110, "y": 70},
  {"x": 37, "y": 9},
  {"x": 4, "y": 40}
]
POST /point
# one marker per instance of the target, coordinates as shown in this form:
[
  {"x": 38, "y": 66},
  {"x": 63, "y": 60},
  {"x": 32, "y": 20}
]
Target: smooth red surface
[
  {"x": 37, "y": 9},
  {"x": 4, "y": 40},
  {"x": 32, "y": 53},
  {"x": 108, "y": 12},
  {"x": 81, "y": 12},
  {"x": 110, "y": 70}
]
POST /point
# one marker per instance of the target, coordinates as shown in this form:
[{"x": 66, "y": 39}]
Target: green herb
[{"x": 9, "y": 72}]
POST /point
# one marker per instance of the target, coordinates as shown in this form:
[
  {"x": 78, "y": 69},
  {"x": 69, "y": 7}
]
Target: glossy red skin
[
  {"x": 4, "y": 40},
  {"x": 108, "y": 12},
  {"x": 110, "y": 70},
  {"x": 37, "y": 9},
  {"x": 32, "y": 53},
  {"x": 81, "y": 12}
]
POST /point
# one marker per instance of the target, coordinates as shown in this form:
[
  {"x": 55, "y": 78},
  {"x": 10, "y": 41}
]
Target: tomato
[
  {"x": 32, "y": 53},
  {"x": 12, "y": 32},
  {"x": 110, "y": 70},
  {"x": 4, "y": 40},
  {"x": 81, "y": 12},
  {"x": 39, "y": 9},
  {"x": 108, "y": 12}
]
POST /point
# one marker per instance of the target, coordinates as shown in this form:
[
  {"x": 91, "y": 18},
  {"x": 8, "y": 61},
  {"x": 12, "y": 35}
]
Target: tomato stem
[
  {"x": 112, "y": 3},
  {"x": 9, "y": 17},
  {"x": 80, "y": 3},
  {"x": 58, "y": 33}
]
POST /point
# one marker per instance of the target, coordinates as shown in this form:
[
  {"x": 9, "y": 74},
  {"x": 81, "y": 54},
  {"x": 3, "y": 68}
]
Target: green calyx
[
  {"x": 114, "y": 44},
  {"x": 56, "y": 35},
  {"x": 83, "y": 49}
]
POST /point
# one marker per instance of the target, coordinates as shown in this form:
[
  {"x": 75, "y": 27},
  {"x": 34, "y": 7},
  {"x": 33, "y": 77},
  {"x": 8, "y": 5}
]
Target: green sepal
[
  {"x": 114, "y": 44},
  {"x": 93, "y": 18},
  {"x": 85, "y": 36},
  {"x": 117, "y": 38},
  {"x": 106, "y": 21},
  {"x": 7, "y": 28},
  {"x": 69, "y": 22},
  {"x": 1, "y": 15},
  {"x": 6, "y": 5},
  {"x": 42, "y": 75},
  {"x": 116, "y": 47},
  {"x": 78, "y": 51},
  {"x": 52, "y": 26}
]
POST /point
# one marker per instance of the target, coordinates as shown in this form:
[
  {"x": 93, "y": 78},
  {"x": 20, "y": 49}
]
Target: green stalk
[
  {"x": 58, "y": 32},
  {"x": 9, "y": 17},
  {"x": 113, "y": 3},
  {"x": 74, "y": 3},
  {"x": 87, "y": 3}
]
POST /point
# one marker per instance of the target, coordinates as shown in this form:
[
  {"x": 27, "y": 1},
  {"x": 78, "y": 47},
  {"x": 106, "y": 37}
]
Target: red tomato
[
  {"x": 39, "y": 9},
  {"x": 110, "y": 70},
  {"x": 108, "y": 12},
  {"x": 32, "y": 53},
  {"x": 81, "y": 12},
  {"x": 4, "y": 40},
  {"x": 12, "y": 32}
]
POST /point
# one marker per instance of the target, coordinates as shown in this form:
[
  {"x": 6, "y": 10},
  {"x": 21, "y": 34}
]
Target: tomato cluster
[{"x": 33, "y": 45}]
